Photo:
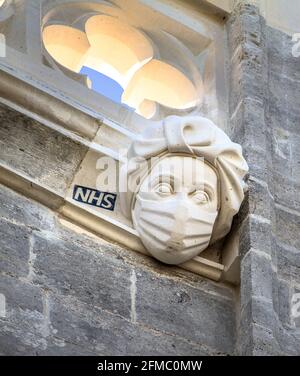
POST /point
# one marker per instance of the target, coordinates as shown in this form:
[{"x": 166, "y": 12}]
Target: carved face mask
[
  {"x": 176, "y": 226},
  {"x": 175, "y": 231}
]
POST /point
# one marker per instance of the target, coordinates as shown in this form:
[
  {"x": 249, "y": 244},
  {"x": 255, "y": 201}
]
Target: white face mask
[{"x": 173, "y": 231}]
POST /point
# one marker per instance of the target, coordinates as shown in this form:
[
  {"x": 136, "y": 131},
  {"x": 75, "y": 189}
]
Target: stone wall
[
  {"x": 265, "y": 115},
  {"x": 69, "y": 293}
]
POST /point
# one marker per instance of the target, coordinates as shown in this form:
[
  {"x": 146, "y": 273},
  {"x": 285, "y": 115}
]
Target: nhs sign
[{"x": 90, "y": 196}]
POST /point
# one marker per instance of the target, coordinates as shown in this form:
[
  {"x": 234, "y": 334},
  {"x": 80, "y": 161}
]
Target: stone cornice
[{"x": 46, "y": 106}]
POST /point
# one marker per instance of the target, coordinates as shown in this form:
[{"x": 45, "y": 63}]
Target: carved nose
[
  {"x": 181, "y": 216},
  {"x": 176, "y": 241}
]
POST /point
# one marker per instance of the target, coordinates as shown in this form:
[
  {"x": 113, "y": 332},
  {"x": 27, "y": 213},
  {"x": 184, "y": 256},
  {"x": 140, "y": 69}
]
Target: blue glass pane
[{"x": 104, "y": 85}]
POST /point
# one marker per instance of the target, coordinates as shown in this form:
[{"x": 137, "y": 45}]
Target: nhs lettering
[{"x": 93, "y": 197}]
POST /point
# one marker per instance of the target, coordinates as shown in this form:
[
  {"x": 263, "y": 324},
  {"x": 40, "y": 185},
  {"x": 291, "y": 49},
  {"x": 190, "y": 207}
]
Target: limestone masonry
[{"x": 78, "y": 278}]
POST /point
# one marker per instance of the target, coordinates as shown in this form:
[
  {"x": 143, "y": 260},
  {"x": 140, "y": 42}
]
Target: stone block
[
  {"x": 258, "y": 311},
  {"x": 244, "y": 25},
  {"x": 255, "y": 233},
  {"x": 20, "y": 294},
  {"x": 102, "y": 333},
  {"x": 37, "y": 151},
  {"x": 283, "y": 102},
  {"x": 264, "y": 342},
  {"x": 248, "y": 122},
  {"x": 286, "y": 154},
  {"x": 201, "y": 317},
  {"x": 24, "y": 327},
  {"x": 288, "y": 262},
  {"x": 259, "y": 198},
  {"x": 282, "y": 297},
  {"x": 287, "y": 227},
  {"x": 285, "y": 191},
  {"x": 256, "y": 277},
  {"x": 281, "y": 59},
  {"x": 19, "y": 209},
  {"x": 74, "y": 269},
  {"x": 14, "y": 249}
]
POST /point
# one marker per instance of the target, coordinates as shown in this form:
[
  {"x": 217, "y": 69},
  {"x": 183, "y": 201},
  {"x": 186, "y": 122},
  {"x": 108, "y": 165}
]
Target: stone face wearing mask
[
  {"x": 176, "y": 208},
  {"x": 183, "y": 185}
]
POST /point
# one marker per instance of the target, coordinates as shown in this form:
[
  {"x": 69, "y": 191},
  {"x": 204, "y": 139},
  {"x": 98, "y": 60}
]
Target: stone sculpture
[{"x": 182, "y": 185}]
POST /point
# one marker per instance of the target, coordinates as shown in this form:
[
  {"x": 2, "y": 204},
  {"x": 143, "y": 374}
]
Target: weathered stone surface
[
  {"x": 256, "y": 271},
  {"x": 247, "y": 56},
  {"x": 23, "y": 330},
  {"x": 257, "y": 339},
  {"x": 255, "y": 233},
  {"x": 288, "y": 262},
  {"x": 243, "y": 27},
  {"x": 259, "y": 199},
  {"x": 295, "y": 308},
  {"x": 280, "y": 57},
  {"x": 248, "y": 120},
  {"x": 37, "y": 151},
  {"x": 282, "y": 297},
  {"x": 69, "y": 294},
  {"x": 14, "y": 246},
  {"x": 264, "y": 109},
  {"x": 283, "y": 101},
  {"x": 34, "y": 217},
  {"x": 286, "y": 154},
  {"x": 94, "y": 278},
  {"x": 77, "y": 295},
  {"x": 265, "y": 342},
  {"x": 105, "y": 334},
  {"x": 20, "y": 294},
  {"x": 176, "y": 309},
  {"x": 259, "y": 310},
  {"x": 286, "y": 194},
  {"x": 287, "y": 227}
]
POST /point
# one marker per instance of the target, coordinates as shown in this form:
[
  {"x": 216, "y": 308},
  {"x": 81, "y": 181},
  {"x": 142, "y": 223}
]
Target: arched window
[{"x": 125, "y": 64}]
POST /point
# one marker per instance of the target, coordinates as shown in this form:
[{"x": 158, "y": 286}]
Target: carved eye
[
  {"x": 164, "y": 189},
  {"x": 201, "y": 197}
]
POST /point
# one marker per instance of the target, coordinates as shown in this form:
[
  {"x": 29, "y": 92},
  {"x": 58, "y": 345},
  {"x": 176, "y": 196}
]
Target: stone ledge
[{"x": 14, "y": 92}]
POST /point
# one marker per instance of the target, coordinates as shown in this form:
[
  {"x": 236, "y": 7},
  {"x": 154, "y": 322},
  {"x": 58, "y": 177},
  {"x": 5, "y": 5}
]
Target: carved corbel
[{"x": 184, "y": 184}]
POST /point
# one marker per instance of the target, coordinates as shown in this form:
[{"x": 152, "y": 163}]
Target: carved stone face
[{"x": 176, "y": 208}]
